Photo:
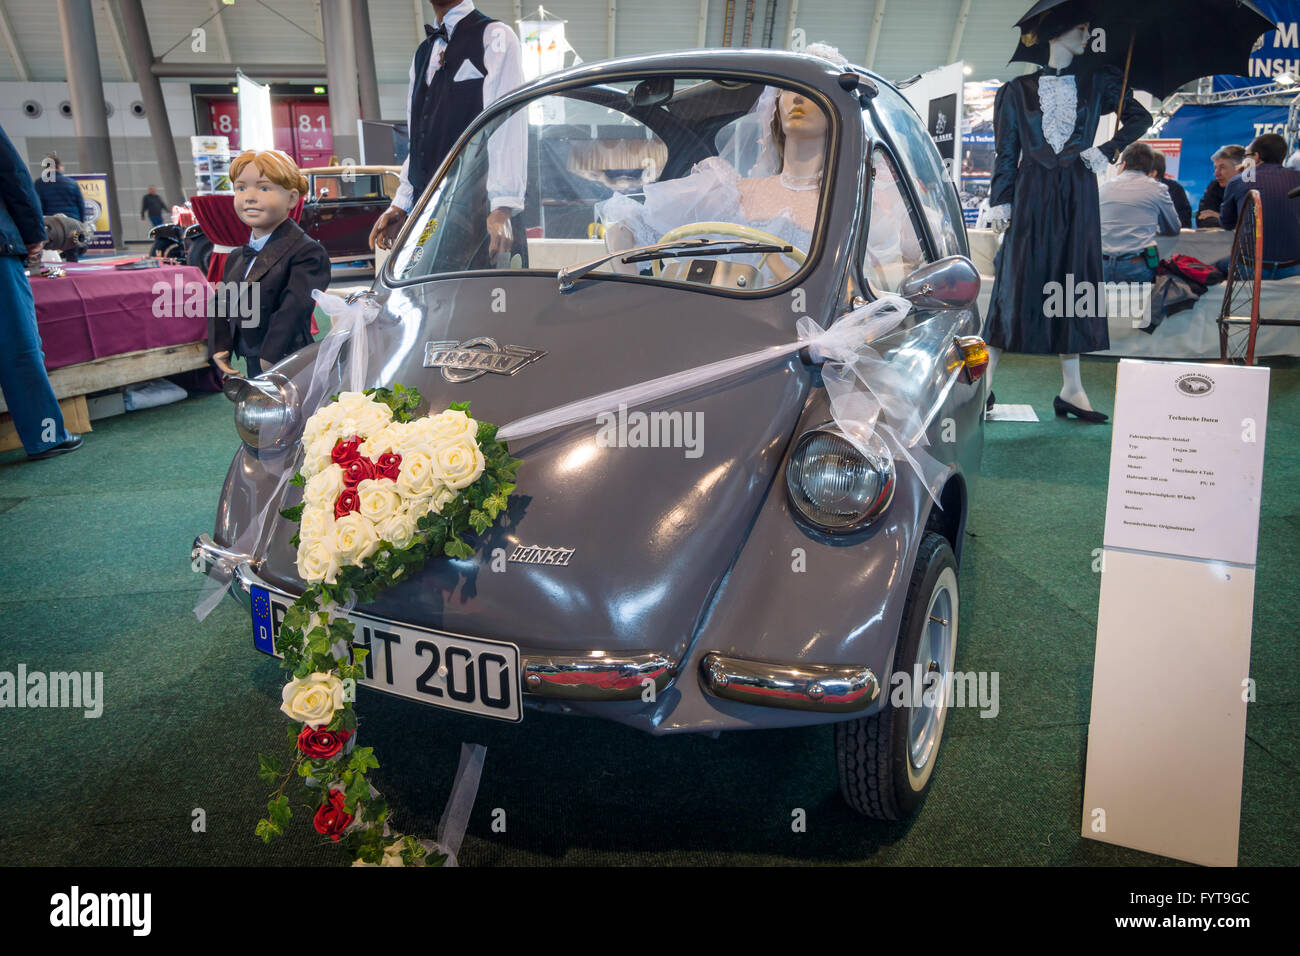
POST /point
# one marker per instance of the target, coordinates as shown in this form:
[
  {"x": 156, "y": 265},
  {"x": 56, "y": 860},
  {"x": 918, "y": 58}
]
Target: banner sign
[
  {"x": 94, "y": 190},
  {"x": 976, "y": 146},
  {"x": 936, "y": 96},
  {"x": 1172, "y": 149},
  {"x": 1279, "y": 52}
]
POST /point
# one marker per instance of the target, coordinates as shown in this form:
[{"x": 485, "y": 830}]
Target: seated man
[
  {"x": 1266, "y": 173},
  {"x": 1176, "y": 191},
  {"x": 1227, "y": 163},
  {"x": 1134, "y": 208}
]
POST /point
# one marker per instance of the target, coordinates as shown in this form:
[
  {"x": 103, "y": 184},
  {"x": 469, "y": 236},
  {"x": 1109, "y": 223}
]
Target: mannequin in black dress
[{"x": 1044, "y": 196}]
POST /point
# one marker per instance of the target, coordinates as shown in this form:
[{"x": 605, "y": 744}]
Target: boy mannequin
[{"x": 281, "y": 265}]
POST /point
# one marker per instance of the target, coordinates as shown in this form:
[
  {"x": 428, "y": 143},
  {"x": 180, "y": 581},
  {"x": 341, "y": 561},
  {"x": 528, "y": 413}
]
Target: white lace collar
[{"x": 1059, "y": 99}]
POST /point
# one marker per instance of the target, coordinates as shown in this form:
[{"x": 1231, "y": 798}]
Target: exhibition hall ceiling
[{"x": 915, "y": 35}]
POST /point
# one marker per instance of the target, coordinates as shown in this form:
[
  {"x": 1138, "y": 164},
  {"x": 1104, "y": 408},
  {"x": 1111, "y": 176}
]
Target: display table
[
  {"x": 1193, "y": 334},
  {"x": 99, "y": 329}
]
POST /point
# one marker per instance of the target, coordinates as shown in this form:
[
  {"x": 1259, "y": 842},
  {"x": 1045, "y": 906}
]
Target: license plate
[{"x": 467, "y": 674}]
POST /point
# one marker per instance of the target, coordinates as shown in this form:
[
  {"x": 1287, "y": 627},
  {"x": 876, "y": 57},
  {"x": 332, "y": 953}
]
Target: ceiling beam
[
  {"x": 877, "y": 23},
  {"x": 220, "y": 28},
  {"x": 110, "y": 18},
  {"x": 7, "y": 34},
  {"x": 958, "y": 29}
]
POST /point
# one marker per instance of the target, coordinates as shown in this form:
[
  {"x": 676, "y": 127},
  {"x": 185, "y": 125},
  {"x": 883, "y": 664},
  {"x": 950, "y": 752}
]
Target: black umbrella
[{"x": 1160, "y": 44}]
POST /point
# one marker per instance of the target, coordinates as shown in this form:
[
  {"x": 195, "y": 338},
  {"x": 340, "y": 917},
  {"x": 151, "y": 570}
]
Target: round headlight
[
  {"x": 266, "y": 410},
  {"x": 833, "y": 485}
]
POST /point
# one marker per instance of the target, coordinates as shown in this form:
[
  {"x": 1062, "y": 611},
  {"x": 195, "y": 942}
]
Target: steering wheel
[{"x": 747, "y": 233}]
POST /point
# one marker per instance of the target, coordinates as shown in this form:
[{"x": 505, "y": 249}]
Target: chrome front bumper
[
  {"x": 828, "y": 688},
  {"x": 583, "y": 675}
]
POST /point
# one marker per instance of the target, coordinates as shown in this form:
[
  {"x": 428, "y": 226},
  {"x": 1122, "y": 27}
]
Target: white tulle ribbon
[
  {"x": 349, "y": 322},
  {"x": 455, "y": 817},
  {"x": 860, "y": 384}
]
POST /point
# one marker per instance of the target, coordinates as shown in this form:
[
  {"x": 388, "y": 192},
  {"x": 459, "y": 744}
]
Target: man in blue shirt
[
  {"x": 23, "y": 381},
  {"x": 1135, "y": 206},
  {"x": 59, "y": 194},
  {"x": 1266, "y": 173}
]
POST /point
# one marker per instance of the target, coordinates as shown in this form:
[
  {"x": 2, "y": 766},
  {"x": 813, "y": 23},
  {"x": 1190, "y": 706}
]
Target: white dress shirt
[
  {"x": 507, "y": 147},
  {"x": 1134, "y": 207}
]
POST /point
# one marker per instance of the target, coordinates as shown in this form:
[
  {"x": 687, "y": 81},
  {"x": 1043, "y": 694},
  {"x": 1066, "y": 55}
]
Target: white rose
[
  {"x": 316, "y": 523},
  {"x": 450, "y": 424},
  {"x": 354, "y": 539},
  {"x": 458, "y": 462},
  {"x": 317, "y": 560},
  {"x": 416, "y": 477},
  {"x": 389, "y": 438},
  {"x": 398, "y": 529},
  {"x": 323, "y": 488},
  {"x": 440, "y": 500},
  {"x": 312, "y": 700},
  {"x": 316, "y": 455},
  {"x": 379, "y": 498}
]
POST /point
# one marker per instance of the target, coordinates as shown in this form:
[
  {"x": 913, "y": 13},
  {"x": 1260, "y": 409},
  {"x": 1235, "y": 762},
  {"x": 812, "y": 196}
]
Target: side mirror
[{"x": 950, "y": 283}]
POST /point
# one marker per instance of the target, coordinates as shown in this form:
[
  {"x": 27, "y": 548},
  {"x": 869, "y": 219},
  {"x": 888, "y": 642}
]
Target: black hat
[{"x": 1052, "y": 23}]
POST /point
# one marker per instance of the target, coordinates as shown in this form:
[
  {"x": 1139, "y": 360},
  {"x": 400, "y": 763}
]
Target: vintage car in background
[
  {"x": 340, "y": 209},
  {"x": 762, "y": 572}
]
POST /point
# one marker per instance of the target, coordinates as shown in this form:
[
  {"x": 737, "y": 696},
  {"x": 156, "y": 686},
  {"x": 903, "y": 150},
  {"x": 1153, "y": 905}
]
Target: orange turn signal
[{"x": 974, "y": 355}]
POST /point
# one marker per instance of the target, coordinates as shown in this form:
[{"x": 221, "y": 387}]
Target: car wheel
[{"x": 887, "y": 761}]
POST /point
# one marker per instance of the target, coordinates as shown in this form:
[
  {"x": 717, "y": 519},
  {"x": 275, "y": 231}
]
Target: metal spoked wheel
[{"x": 934, "y": 660}]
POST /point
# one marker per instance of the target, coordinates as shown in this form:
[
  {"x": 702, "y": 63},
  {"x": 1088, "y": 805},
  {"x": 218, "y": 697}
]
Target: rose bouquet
[{"x": 384, "y": 491}]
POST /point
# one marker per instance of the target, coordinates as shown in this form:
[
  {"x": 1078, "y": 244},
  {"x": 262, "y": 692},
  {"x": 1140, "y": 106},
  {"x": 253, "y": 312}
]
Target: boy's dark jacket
[{"x": 288, "y": 268}]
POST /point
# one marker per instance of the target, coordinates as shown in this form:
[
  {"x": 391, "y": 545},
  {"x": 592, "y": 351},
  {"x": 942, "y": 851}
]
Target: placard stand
[{"x": 1166, "y": 736}]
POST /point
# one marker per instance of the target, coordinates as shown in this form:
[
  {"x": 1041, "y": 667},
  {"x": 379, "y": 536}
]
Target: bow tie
[
  {"x": 439, "y": 32},
  {"x": 1063, "y": 71},
  {"x": 250, "y": 252}
]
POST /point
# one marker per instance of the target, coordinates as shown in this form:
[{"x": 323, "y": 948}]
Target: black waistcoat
[{"x": 441, "y": 110}]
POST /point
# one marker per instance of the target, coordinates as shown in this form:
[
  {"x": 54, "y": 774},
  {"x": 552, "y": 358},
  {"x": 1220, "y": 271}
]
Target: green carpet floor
[{"x": 95, "y": 575}]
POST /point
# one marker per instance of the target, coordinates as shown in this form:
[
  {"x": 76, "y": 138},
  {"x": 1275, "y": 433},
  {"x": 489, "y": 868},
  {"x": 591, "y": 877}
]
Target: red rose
[
  {"x": 357, "y": 471},
  {"x": 345, "y": 451},
  {"x": 348, "y": 500},
  {"x": 331, "y": 819},
  {"x": 322, "y": 744},
  {"x": 388, "y": 466}
]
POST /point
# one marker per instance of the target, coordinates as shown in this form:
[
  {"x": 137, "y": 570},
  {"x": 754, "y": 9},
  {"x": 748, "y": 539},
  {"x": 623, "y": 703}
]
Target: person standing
[
  {"x": 23, "y": 381},
  {"x": 1135, "y": 207},
  {"x": 464, "y": 64},
  {"x": 59, "y": 194},
  {"x": 153, "y": 206}
]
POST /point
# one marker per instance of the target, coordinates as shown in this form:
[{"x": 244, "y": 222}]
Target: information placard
[
  {"x": 1186, "y": 459},
  {"x": 1170, "y": 684}
]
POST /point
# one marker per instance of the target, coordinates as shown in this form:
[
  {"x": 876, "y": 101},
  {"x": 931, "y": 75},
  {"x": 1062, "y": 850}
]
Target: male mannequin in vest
[{"x": 464, "y": 64}]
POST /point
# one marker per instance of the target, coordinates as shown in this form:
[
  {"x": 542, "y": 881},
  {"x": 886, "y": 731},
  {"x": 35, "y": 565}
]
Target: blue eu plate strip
[{"x": 263, "y": 638}]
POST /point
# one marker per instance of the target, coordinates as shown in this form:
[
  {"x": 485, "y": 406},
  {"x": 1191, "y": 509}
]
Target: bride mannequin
[
  {"x": 779, "y": 196},
  {"x": 1044, "y": 189}
]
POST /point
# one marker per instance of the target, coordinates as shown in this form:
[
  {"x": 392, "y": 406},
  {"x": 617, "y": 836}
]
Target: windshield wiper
[{"x": 665, "y": 250}]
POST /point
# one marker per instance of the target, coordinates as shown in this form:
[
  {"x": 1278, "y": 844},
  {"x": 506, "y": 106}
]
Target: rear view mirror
[
  {"x": 652, "y": 92},
  {"x": 950, "y": 283}
]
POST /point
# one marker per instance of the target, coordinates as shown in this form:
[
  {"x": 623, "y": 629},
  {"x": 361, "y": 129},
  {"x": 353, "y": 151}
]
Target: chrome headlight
[
  {"x": 266, "y": 409},
  {"x": 834, "y": 486}
]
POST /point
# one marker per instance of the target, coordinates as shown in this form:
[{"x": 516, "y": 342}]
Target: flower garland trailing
[{"x": 383, "y": 492}]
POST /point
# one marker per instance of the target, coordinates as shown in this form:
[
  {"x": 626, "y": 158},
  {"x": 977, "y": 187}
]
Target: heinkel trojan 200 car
[{"x": 731, "y": 556}]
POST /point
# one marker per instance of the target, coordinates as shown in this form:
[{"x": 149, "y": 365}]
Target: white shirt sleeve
[
  {"x": 404, "y": 198},
  {"x": 507, "y": 178}
]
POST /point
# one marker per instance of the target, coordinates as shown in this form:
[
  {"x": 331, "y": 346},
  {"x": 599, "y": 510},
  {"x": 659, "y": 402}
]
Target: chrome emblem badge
[
  {"x": 531, "y": 554},
  {"x": 466, "y": 361}
]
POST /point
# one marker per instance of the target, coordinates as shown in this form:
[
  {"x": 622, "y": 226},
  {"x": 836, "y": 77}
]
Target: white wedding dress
[{"x": 715, "y": 192}]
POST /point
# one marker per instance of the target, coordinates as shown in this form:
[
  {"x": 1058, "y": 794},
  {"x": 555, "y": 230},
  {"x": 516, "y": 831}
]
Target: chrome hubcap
[{"x": 933, "y": 667}]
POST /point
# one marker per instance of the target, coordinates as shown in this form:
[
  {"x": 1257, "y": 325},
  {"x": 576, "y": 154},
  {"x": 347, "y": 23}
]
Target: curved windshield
[{"x": 623, "y": 167}]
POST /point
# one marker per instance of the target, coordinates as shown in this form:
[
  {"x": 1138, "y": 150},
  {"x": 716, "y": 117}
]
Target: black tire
[{"x": 877, "y": 775}]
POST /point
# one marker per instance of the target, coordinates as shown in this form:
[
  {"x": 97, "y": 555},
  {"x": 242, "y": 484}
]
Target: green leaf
[
  {"x": 363, "y": 759},
  {"x": 268, "y": 768},
  {"x": 267, "y": 830},
  {"x": 459, "y": 407},
  {"x": 292, "y": 514},
  {"x": 456, "y": 548},
  {"x": 298, "y": 481},
  {"x": 279, "y": 812},
  {"x": 480, "y": 521}
]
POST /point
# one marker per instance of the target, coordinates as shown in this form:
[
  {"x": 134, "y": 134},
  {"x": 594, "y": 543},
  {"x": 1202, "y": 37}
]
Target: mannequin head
[
  {"x": 798, "y": 125},
  {"x": 1065, "y": 30}
]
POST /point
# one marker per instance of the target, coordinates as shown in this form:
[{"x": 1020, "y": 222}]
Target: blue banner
[
  {"x": 1203, "y": 129},
  {"x": 1280, "y": 52}
]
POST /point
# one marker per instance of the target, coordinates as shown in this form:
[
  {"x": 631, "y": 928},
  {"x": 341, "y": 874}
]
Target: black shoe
[
  {"x": 72, "y": 444},
  {"x": 1064, "y": 409},
  {"x": 988, "y": 405}
]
